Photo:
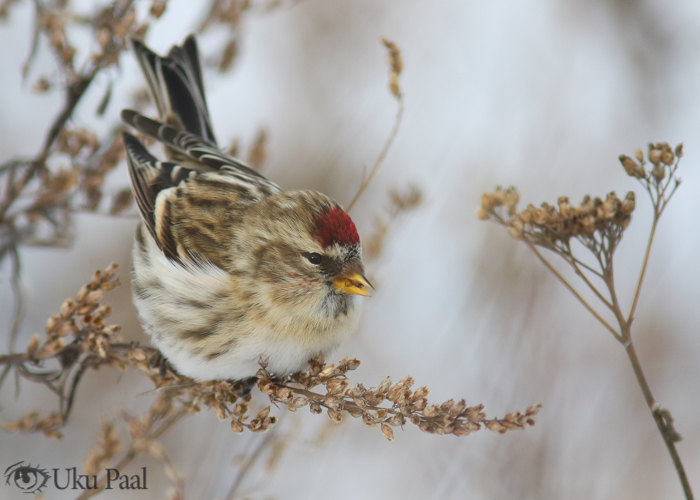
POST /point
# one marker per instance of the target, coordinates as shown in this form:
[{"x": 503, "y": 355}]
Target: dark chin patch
[
  {"x": 334, "y": 225},
  {"x": 336, "y": 304}
]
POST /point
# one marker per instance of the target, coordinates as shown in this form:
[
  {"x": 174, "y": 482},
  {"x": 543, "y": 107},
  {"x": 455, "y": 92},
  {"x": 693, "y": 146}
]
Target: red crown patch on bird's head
[{"x": 334, "y": 225}]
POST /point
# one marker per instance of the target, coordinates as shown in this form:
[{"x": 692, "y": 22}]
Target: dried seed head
[
  {"x": 511, "y": 199},
  {"x": 515, "y": 230},
  {"x": 368, "y": 420},
  {"x": 627, "y": 206},
  {"x": 482, "y": 214},
  {"x": 335, "y": 415},
  {"x": 388, "y": 432},
  {"x": 33, "y": 345},
  {"x": 533, "y": 410},
  {"x": 384, "y": 386},
  {"x": 42, "y": 85},
  {"x": 679, "y": 150},
  {"x": 431, "y": 411},
  {"x": 495, "y": 426},
  {"x": 300, "y": 401},
  {"x": 659, "y": 172},
  {"x": 565, "y": 208},
  {"x": 667, "y": 157},
  {"x": 158, "y": 8},
  {"x": 655, "y": 156},
  {"x": 327, "y": 371},
  {"x": 632, "y": 168},
  {"x": 489, "y": 201},
  {"x": 396, "y": 65}
]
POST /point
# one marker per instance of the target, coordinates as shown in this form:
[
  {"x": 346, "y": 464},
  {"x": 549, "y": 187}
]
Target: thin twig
[
  {"x": 18, "y": 293},
  {"x": 642, "y": 273},
  {"x": 668, "y": 434},
  {"x": 133, "y": 453},
  {"x": 585, "y": 266},
  {"x": 38, "y": 8},
  {"x": 573, "y": 290},
  {"x": 249, "y": 462},
  {"x": 572, "y": 262},
  {"x": 380, "y": 159}
]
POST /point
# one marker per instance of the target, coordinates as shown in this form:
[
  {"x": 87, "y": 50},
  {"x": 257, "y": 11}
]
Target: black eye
[{"x": 314, "y": 258}]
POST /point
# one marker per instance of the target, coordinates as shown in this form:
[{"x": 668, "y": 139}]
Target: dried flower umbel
[{"x": 598, "y": 225}]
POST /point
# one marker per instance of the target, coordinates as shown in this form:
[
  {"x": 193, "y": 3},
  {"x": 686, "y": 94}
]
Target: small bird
[{"x": 228, "y": 269}]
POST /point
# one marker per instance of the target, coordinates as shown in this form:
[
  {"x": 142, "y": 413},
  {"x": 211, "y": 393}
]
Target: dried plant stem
[
  {"x": 380, "y": 159},
  {"x": 643, "y": 271},
  {"x": 249, "y": 462},
  {"x": 599, "y": 227},
  {"x": 624, "y": 336},
  {"x": 573, "y": 291},
  {"x": 75, "y": 92},
  {"x": 134, "y": 452},
  {"x": 18, "y": 293},
  {"x": 662, "y": 418},
  {"x": 573, "y": 262}
]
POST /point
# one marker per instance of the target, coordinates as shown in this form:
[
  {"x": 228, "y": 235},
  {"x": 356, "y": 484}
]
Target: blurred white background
[{"x": 539, "y": 94}]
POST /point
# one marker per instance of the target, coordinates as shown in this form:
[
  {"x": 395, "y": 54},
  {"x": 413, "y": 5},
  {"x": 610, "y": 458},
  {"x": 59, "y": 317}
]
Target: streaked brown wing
[
  {"x": 190, "y": 214},
  {"x": 149, "y": 177}
]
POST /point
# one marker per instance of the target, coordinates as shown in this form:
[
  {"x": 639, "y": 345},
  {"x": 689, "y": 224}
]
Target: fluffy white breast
[{"x": 178, "y": 305}]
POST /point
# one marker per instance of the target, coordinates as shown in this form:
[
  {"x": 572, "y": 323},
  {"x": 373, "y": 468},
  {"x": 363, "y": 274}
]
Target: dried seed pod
[
  {"x": 632, "y": 168},
  {"x": 384, "y": 386},
  {"x": 33, "y": 345},
  {"x": 388, "y": 432},
  {"x": 667, "y": 157},
  {"x": 368, "y": 420},
  {"x": 300, "y": 401},
  {"x": 628, "y": 205},
  {"x": 335, "y": 415},
  {"x": 655, "y": 156},
  {"x": 659, "y": 172},
  {"x": 495, "y": 426},
  {"x": 488, "y": 201},
  {"x": 431, "y": 411},
  {"x": 516, "y": 230},
  {"x": 482, "y": 214}
]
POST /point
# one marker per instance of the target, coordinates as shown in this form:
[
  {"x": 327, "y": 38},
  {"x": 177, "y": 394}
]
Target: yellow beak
[{"x": 354, "y": 284}]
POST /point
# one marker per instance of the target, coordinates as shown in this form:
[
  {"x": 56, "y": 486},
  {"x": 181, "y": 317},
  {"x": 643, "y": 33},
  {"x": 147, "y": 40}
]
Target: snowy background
[{"x": 539, "y": 94}]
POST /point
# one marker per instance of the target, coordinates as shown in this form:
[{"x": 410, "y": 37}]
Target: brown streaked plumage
[{"x": 228, "y": 268}]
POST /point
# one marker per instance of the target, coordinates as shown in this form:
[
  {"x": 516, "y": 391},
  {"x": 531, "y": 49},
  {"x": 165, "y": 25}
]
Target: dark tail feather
[{"x": 176, "y": 86}]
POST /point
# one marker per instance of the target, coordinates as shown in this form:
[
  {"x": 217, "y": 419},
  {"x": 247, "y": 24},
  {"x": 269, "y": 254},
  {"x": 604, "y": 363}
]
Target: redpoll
[{"x": 229, "y": 269}]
